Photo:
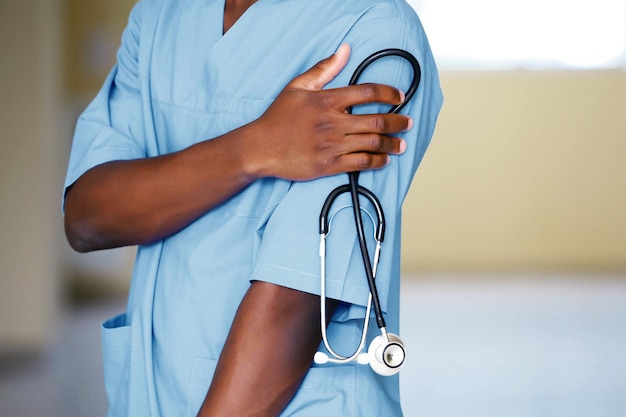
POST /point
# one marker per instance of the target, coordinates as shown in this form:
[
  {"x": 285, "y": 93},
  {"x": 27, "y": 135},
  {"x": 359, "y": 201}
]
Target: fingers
[
  {"x": 345, "y": 97},
  {"x": 367, "y": 151},
  {"x": 360, "y": 162},
  {"x": 372, "y": 143},
  {"x": 323, "y": 72},
  {"x": 377, "y": 123},
  {"x": 363, "y": 152},
  {"x": 354, "y": 95}
]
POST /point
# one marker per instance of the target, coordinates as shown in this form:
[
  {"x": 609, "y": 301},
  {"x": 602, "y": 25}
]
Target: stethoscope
[{"x": 386, "y": 353}]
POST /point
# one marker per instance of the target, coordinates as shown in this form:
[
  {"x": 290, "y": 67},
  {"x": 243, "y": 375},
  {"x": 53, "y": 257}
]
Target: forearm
[
  {"x": 269, "y": 349},
  {"x": 132, "y": 202}
]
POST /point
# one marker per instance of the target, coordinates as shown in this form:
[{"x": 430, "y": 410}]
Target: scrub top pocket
[{"x": 116, "y": 343}]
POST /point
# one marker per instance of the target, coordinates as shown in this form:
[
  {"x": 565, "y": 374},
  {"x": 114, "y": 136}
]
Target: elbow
[
  {"x": 88, "y": 230},
  {"x": 81, "y": 230},
  {"x": 79, "y": 235},
  {"x": 88, "y": 235},
  {"x": 81, "y": 224}
]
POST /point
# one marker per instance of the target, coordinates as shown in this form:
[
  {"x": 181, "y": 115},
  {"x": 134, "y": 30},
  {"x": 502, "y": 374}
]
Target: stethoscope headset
[{"x": 386, "y": 353}]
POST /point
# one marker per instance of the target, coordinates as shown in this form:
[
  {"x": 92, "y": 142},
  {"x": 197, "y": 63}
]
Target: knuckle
[
  {"x": 376, "y": 142},
  {"x": 365, "y": 161},
  {"x": 325, "y": 166},
  {"x": 378, "y": 123},
  {"x": 368, "y": 92}
]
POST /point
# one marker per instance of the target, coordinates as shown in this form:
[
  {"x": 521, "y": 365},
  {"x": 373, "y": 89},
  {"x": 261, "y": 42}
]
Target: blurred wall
[
  {"x": 91, "y": 37},
  {"x": 526, "y": 172},
  {"x": 29, "y": 171}
]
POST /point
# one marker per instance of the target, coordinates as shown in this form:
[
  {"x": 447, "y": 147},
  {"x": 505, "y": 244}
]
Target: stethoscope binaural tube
[
  {"x": 354, "y": 176},
  {"x": 386, "y": 353}
]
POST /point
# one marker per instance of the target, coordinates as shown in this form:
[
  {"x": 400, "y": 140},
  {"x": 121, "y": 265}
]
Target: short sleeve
[
  {"x": 289, "y": 252},
  {"x": 111, "y": 127}
]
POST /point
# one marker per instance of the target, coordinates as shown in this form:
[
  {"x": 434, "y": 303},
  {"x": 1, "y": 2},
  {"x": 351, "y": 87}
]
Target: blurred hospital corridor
[{"x": 514, "y": 230}]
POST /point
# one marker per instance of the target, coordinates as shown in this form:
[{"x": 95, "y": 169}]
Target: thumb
[{"x": 324, "y": 71}]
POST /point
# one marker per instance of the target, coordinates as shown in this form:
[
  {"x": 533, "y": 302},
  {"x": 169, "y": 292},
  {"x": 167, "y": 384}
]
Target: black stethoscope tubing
[{"x": 355, "y": 189}]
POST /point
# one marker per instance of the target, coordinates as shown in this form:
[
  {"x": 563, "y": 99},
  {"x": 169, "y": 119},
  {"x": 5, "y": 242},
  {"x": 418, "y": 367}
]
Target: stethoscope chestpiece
[{"x": 387, "y": 355}]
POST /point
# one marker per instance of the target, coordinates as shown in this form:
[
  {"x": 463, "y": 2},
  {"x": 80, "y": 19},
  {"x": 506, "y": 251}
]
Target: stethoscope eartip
[{"x": 320, "y": 358}]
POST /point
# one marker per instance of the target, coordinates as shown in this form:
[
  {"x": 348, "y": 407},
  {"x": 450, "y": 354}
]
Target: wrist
[{"x": 255, "y": 160}]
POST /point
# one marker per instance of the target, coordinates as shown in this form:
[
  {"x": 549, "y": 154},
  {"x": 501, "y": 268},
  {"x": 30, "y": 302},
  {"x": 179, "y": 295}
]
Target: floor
[
  {"x": 499, "y": 347},
  {"x": 517, "y": 347}
]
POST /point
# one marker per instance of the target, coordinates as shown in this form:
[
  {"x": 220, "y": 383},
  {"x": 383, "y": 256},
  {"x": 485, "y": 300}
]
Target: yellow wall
[
  {"x": 526, "y": 171},
  {"x": 91, "y": 37}
]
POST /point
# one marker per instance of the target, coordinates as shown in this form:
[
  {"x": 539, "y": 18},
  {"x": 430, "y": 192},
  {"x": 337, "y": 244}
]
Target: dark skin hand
[{"x": 305, "y": 134}]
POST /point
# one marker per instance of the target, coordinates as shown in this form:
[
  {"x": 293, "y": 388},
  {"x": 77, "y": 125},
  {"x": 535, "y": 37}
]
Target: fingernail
[
  {"x": 402, "y": 146},
  {"x": 402, "y": 97},
  {"x": 410, "y": 124},
  {"x": 342, "y": 47}
]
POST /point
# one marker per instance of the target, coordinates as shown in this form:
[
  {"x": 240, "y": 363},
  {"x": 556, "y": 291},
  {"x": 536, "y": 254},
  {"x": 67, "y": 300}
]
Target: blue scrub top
[{"x": 178, "y": 81}]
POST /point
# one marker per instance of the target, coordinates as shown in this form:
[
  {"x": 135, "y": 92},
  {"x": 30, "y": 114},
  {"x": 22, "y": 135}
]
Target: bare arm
[
  {"x": 305, "y": 134},
  {"x": 269, "y": 349}
]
